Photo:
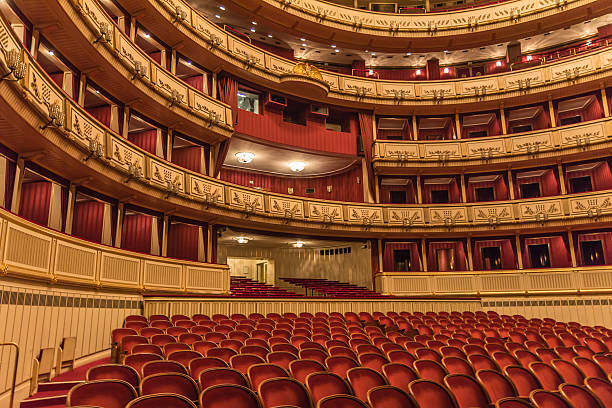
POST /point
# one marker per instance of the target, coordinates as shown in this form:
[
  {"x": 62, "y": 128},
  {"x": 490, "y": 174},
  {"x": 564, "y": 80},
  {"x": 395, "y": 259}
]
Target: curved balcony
[
  {"x": 210, "y": 46},
  {"x": 348, "y": 26},
  {"x": 126, "y": 171},
  {"x": 91, "y": 40},
  {"x": 548, "y": 146}
]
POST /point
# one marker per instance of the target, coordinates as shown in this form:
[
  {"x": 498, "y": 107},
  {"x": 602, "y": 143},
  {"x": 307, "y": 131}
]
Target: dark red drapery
[
  {"x": 367, "y": 137},
  {"x": 499, "y": 187},
  {"x": 459, "y": 254},
  {"x": 101, "y": 113},
  {"x": 601, "y": 177},
  {"x": 549, "y": 186},
  {"x": 196, "y": 81},
  {"x": 508, "y": 257},
  {"x": 9, "y": 181},
  {"x": 389, "y": 261},
  {"x": 183, "y": 241},
  {"x": 409, "y": 188},
  {"x": 454, "y": 194},
  {"x": 35, "y": 201},
  {"x": 228, "y": 93},
  {"x": 88, "y": 220},
  {"x": 606, "y": 243},
  {"x": 136, "y": 233},
  {"x": 145, "y": 139},
  {"x": 189, "y": 158},
  {"x": 559, "y": 255}
]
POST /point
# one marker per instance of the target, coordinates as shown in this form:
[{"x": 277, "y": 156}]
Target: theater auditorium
[{"x": 306, "y": 203}]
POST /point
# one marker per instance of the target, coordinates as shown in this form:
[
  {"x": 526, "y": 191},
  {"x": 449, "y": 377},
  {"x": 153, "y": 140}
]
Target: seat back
[
  {"x": 497, "y": 386},
  {"x": 467, "y": 391},
  {"x": 163, "y": 366},
  {"x": 457, "y": 365},
  {"x": 548, "y": 399},
  {"x": 548, "y": 376},
  {"x": 431, "y": 394},
  {"x": 569, "y": 372},
  {"x": 340, "y": 364},
  {"x": 275, "y": 392},
  {"x": 114, "y": 372},
  {"x": 219, "y": 376},
  {"x": 281, "y": 358},
  {"x": 223, "y": 353},
  {"x": 580, "y": 396},
  {"x": 363, "y": 379},
  {"x": 601, "y": 388},
  {"x": 196, "y": 366},
  {"x": 430, "y": 370},
  {"x": 101, "y": 393},
  {"x": 341, "y": 401},
  {"x": 223, "y": 396},
  {"x": 374, "y": 361},
  {"x": 174, "y": 383},
  {"x": 300, "y": 369},
  {"x": 258, "y": 373},
  {"x": 513, "y": 402},
  {"x": 387, "y": 396},
  {"x": 161, "y": 400},
  {"x": 323, "y": 384},
  {"x": 588, "y": 367},
  {"x": 184, "y": 356},
  {"x": 242, "y": 362},
  {"x": 524, "y": 381},
  {"x": 136, "y": 361},
  {"x": 399, "y": 375}
]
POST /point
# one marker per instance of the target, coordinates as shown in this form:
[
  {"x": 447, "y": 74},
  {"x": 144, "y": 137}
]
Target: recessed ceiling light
[
  {"x": 270, "y": 35},
  {"x": 337, "y": 50},
  {"x": 188, "y": 62},
  {"x": 333, "y": 45},
  {"x": 298, "y": 244},
  {"x": 242, "y": 240},
  {"x": 303, "y": 44},
  {"x": 297, "y": 166},
  {"x": 409, "y": 53},
  {"x": 373, "y": 54},
  {"x": 51, "y": 52},
  {"x": 254, "y": 22},
  {"x": 245, "y": 157},
  {"x": 252, "y": 30},
  {"x": 147, "y": 35},
  {"x": 418, "y": 72},
  {"x": 498, "y": 63},
  {"x": 222, "y": 7},
  {"x": 446, "y": 70},
  {"x": 218, "y": 16},
  {"x": 302, "y": 39}
]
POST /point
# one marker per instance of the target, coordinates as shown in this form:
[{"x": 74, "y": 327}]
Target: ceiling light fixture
[
  {"x": 245, "y": 157},
  {"x": 51, "y": 52},
  {"x": 270, "y": 36},
  {"x": 222, "y": 7},
  {"x": 498, "y": 64},
  {"x": 418, "y": 72},
  {"x": 242, "y": 240},
  {"x": 298, "y": 244},
  {"x": 297, "y": 166},
  {"x": 254, "y": 22},
  {"x": 446, "y": 70},
  {"x": 147, "y": 35}
]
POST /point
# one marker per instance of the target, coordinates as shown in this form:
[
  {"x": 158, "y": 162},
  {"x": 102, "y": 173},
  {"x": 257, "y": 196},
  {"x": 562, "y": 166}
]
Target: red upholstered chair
[
  {"x": 177, "y": 317},
  {"x": 374, "y": 361},
  {"x": 223, "y": 353},
  {"x": 161, "y": 324},
  {"x": 257, "y": 342},
  {"x": 340, "y": 364},
  {"x": 218, "y": 376},
  {"x": 188, "y": 324},
  {"x": 147, "y": 348},
  {"x": 457, "y": 365},
  {"x": 198, "y": 317},
  {"x": 496, "y": 384},
  {"x": 580, "y": 396},
  {"x": 401, "y": 356},
  {"x": 158, "y": 317},
  {"x": 311, "y": 345},
  {"x": 281, "y": 358},
  {"x": 300, "y": 369},
  {"x": 569, "y": 372},
  {"x": 526, "y": 357},
  {"x": 342, "y": 351},
  {"x": 231, "y": 343},
  {"x": 161, "y": 400},
  {"x": 184, "y": 356},
  {"x": 548, "y": 376},
  {"x": 601, "y": 388},
  {"x": 548, "y": 399},
  {"x": 135, "y": 318},
  {"x": 605, "y": 362},
  {"x": 363, "y": 379},
  {"x": 163, "y": 366},
  {"x": 215, "y": 337},
  {"x": 136, "y": 325},
  {"x": 257, "y": 350},
  {"x": 452, "y": 351},
  {"x": 583, "y": 351},
  {"x": 341, "y": 401},
  {"x": 172, "y": 347},
  {"x": 589, "y": 367},
  {"x": 174, "y": 383},
  {"x": 101, "y": 393},
  {"x": 323, "y": 384},
  {"x": 224, "y": 396},
  {"x": 399, "y": 375},
  {"x": 176, "y": 331},
  {"x": 162, "y": 339},
  {"x": 596, "y": 345},
  {"x": 287, "y": 347},
  {"x": 547, "y": 355},
  {"x": 136, "y": 361},
  {"x": 198, "y": 365},
  {"x": 149, "y": 332},
  {"x": 129, "y": 341},
  {"x": 387, "y": 396},
  {"x": 275, "y": 392},
  {"x": 513, "y": 402},
  {"x": 431, "y": 394},
  {"x": 242, "y": 362},
  {"x": 258, "y": 373},
  {"x": 524, "y": 381},
  {"x": 504, "y": 359},
  {"x": 189, "y": 338},
  {"x": 467, "y": 391},
  {"x": 430, "y": 370},
  {"x": 114, "y": 372},
  {"x": 312, "y": 354}
]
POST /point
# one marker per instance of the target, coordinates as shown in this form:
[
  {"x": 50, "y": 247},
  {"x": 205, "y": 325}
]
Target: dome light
[
  {"x": 299, "y": 244},
  {"x": 242, "y": 240},
  {"x": 498, "y": 63},
  {"x": 297, "y": 166},
  {"x": 245, "y": 157},
  {"x": 446, "y": 70},
  {"x": 418, "y": 72},
  {"x": 222, "y": 7}
]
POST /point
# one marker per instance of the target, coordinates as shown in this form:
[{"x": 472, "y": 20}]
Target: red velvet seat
[
  {"x": 223, "y": 353},
  {"x": 548, "y": 376},
  {"x": 224, "y": 396},
  {"x": 256, "y": 350},
  {"x": 129, "y": 341},
  {"x": 363, "y": 379},
  {"x": 312, "y": 354},
  {"x": 172, "y": 347},
  {"x": 431, "y": 394},
  {"x": 399, "y": 375},
  {"x": 149, "y": 332},
  {"x": 184, "y": 356},
  {"x": 513, "y": 402},
  {"x": 387, "y": 396},
  {"x": 401, "y": 356},
  {"x": 198, "y": 365},
  {"x": 467, "y": 391},
  {"x": 504, "y": 359},
  {"x": 147, "y": 348},
  {"x": 524, "y": 381},
  {"x": 188, "y": 324},
  {"x": 101, "y": 393},
  {"x": 258, "y": 373},
  {"x": 580, "y": 396},
  {"x": 589, "y": 367},
  {"x": 174, "y": 383},
  {"x": 323, "y": 384},
  {"x": 569, "y": 372},
  {"x": 114, "y": 372},
  {"x": 158, "y": 317},
  {"x": 281, "y": 358},
  {"x": 257, "y": 342},
  {"x": 176, "y": 331},
  {"x": 548, "y": 399},
  {"x": 340, "y": 364},
  {"x": 189, "y": 338},
  {"x": 163, "y": 366},
  {"x": 136, "y": 325},
  {"x": 496, "y": 384},
  {"x": 601, "y": 388},
  {"x": 374, "y": 361},
  {"x": 457, "y": 365},
  {"x": 430, "y": 370},
  {"x": 275, "y": 392},
  {"x": 162, "y": 339},
  {"x": 219, "y": 376},
  {"x": 215, "y": 337},
  {"x": 161, "y": 324},
  {"x": 242, "y": 362},
  {"x": 605, "y": 362},
  {"x": 482, "y": 362},
  {"x": 341, "y": 401},
  {"x": 161, "y": 400},
  {"x": 300, "y": 369},
  {"x": 136, "y": 361},
  {"x": 289, "y": 348}
]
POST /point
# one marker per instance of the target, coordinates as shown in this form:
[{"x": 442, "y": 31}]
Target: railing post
[{"x": 11, "y": 344}]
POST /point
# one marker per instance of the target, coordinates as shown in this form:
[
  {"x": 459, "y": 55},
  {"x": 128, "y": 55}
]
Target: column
[
  {"x": 463, "y": 190},
  {"x": 502, "y": 117},
  {"x": 126, "y": 121},
  {"x": 19, "y": 171},
  {"x": 209, "y": 243},
  {"x": 70, "y": 209},
  {"x": 114, "y": 118},
  {"x": 173, "y": 62},
  {"x": 380, "y": 255},
  {"x": 119, "y": 229},
  {"x": 604, "y": 101},
  {"x": 214, "y": 91},
  {"x": 164, "y": 243},
  {"x": 551, "y": 112},
  {"x": 469, "y": 254},
  {"x": 424, "y": 254},
  {"x": 572, "y": 249},
  {"x": 519, "y": 251},
  {"x": 561, "y": 179},
  {"x": 415, "y": 129},
  {"x": 82, "y": 89},
  {"x": 511, "y": 185},
  {"x": 419, "y": 190},
  {"x": 457, "y": 125},
  {"x": 170, "y": 145}
]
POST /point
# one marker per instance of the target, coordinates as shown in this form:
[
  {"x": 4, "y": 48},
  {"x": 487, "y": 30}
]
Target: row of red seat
[
  {"x": 334, "y": 289},
  {"x": 244, "y": 287}
]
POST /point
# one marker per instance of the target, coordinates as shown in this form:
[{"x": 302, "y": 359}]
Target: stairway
[
  {"x": 244, "y": 287},
  {"x": 334, "y": 289}
]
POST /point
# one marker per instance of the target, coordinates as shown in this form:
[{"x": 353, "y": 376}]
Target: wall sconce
[
  {"x": 16, "y": 66},
  {"x": 106, "y": 34},
  {"x": 290, "y": 190},
  {"x": 329, "y": 189},
  {"x": 140, "y": 70}
]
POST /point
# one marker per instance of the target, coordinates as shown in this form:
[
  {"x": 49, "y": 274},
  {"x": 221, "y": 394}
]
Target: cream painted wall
[{"x": 308, "y": 263}]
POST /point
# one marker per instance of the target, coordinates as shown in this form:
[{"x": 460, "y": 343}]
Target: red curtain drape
[
  {"x": 344, "y": 185},
  {"x": 385, "y": 192},
  {"x": 189, "y": 158},
  {"x": 606, "y": 243},
  {"x": 146, "y": 140},
  {"x": 183, "y": 241},
  {"x": 601, "y": 176},
  {"x": 58, "y": 78},
  {"x": 214, "y": 238},
  {"x": 549, "y": 186},
  {"x": 389, "y": 261},
  {"x": 593, "y": 111},
  {"x": 499, "y": 186},
  {"x": 456, "y": 246},
  {"x": 454, "y": 194},
  {"x": 508, "y": 257},
  {"x": 197, "y": 81},
  {"x": 101, "y": 113},
  {"x": 35, "y": 201},
  {"x": 88, "y": 219},
  {"x": 367, "y": 137},
  {"x": 228, "y": 93},
  {"x": 9, "y": 181},
  {"x": 156, "y": 55},
  {"x": 136, "y": 233},
  {"x": 559, "y": 255},
  {"x": 447, "y": 132}
]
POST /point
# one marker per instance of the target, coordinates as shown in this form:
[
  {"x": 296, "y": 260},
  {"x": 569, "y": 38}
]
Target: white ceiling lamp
[
  {"x": 297, "y": 166},
  {"x": 298, "y": 244},
  {"x": 242, "y": 240},
  {"x": 245, "y": 157}
]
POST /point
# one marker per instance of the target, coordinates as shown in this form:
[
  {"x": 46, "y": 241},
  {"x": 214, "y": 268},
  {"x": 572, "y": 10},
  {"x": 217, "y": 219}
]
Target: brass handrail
[{"x": 14, "y": 370}]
